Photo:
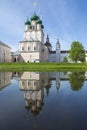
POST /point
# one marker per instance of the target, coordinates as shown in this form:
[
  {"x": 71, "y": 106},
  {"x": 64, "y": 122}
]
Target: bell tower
[{"x": 58, "y": 51}]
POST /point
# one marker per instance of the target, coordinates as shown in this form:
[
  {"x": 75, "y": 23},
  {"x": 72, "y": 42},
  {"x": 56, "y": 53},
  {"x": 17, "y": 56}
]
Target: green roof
[
  {"x": 39, "y": 21},
  {"x": 27, "y": 22},
  {"x": 34, "y": 17}
]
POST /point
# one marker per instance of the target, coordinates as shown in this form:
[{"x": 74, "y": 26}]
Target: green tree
[
  {"x": 65, "y": 59},
  {"x": 76, "y": 80},
  {"x": 77, "y": 52}
]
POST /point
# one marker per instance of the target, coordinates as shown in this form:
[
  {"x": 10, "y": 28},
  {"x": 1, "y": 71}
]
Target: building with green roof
[{"x": 32, "y": 47}]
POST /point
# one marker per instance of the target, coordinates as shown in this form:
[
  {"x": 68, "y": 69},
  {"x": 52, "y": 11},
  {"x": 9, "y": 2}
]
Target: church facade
[{"x": 33, "y": 48}]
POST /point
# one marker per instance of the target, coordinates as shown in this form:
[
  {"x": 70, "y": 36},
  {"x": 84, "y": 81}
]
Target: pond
[{"x": 43, "y": 101}]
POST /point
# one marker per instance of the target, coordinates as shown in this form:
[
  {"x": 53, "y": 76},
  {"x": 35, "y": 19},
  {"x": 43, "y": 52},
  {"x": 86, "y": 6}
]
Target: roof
[
  {"x": 3, "y": 44},
  {"x": 27, "y": 22},
  {"x": 34, "y": 16},
  {"x": 47, "y": 44},
  {"x": 39, "y": 21},
  {"x": 52, "y": 52},
  {"x": 64, "y": 51},
  {"x": 30, "y": 40}
]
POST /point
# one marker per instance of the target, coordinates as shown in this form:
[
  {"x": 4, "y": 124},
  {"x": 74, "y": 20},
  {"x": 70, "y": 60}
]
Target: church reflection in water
[{"x": 33, "y": 84}]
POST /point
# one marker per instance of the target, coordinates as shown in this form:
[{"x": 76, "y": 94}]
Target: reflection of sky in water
[{"x": 61, "y": 107}]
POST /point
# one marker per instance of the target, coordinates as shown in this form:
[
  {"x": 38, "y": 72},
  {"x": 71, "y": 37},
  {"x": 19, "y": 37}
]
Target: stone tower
[
  {"x": 58, "y": 51},
  {"x": 30, "y": 47}
]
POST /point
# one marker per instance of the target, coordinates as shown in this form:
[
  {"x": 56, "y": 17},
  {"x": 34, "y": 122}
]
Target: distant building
[{"x": 5, "y": 52}]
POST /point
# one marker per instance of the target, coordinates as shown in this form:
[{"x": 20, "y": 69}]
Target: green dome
[
  {"x": 39, "y": 21},
  {"x": 42, "y": 26},
  {"x": 27, "y": 22},
  {"x": 34, "y": 17}
]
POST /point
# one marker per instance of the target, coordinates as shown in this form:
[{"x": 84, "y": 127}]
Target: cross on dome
[{"x": 34, "y": 4}]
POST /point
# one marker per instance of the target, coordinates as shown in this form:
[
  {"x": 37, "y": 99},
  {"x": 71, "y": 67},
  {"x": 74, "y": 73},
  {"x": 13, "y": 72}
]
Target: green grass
[{"x": 42, "y": 66}]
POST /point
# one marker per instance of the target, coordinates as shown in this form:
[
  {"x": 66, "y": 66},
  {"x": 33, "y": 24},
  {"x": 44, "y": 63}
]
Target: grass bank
[{"x": 42, "y": 66}]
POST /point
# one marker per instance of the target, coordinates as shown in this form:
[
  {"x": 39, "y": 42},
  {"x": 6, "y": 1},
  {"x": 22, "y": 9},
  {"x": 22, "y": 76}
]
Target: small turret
[
  {"x": 27, "y": 25},
  {"x": 48, "y": 44},
  {"x": 47, "y": 39},
  {"x": 58, "y": 51},
  {"x": 39, "y": 23},
  {"x": 58, "y": 45},
  {"x": 34, "y": 19}
]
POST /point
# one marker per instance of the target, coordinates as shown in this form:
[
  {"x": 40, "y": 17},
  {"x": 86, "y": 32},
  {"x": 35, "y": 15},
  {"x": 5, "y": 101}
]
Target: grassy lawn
[{"x": 42, "y": 66}]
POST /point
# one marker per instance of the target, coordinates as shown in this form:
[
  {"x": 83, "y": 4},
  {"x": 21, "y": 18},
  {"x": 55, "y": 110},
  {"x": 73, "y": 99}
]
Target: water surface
[{"x": 43, "y": 101}]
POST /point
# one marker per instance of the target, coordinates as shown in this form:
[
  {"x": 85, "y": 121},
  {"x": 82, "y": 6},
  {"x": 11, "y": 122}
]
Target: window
[
  {"x": 23, "y": 83},
  {"x": 34, "y": 48},
  {"x": 34, "y": 83},
  {"x": 28, "y": 48},
  {"x": 29, "y": 84},
  {"x": 42, "y": 50},
  {"x": 22, "y": 48},
  {"x": 33, "y": 27}
]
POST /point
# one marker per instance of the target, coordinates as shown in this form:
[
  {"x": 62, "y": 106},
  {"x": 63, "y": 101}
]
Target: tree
[
  {"x": 77, "y": 52},
  {"x": 65, "y": 59},
  {"x": 76, "y": 80}
]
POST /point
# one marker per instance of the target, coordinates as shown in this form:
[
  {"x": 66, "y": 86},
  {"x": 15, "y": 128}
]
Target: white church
[{"x": 33, "y": 48}]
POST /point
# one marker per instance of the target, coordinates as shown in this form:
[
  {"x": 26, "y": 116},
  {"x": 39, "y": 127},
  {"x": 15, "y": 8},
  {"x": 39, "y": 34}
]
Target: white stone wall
[
  {"x": 30, "y": 46},
  {"x": 5, "y": 54},
  {"x": 86, "y": 56},
  {"x": 44, "y": 53},
  {"x": 30, "y": 57},
  {"x": 64, "y": 55},
  {"x": 52, "y": 57},
  {"x": 39, "y": 27},
  {"x": 30, "y": 76}
]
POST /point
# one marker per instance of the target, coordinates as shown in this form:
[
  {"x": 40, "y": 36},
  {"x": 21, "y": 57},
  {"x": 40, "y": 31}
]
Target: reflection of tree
[
  {"x": 76, "y": 80},
  {"x": 65, "y": 72}
]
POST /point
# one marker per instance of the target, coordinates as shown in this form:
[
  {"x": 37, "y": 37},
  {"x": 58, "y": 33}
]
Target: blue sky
[{"x": 63, "y": 19}]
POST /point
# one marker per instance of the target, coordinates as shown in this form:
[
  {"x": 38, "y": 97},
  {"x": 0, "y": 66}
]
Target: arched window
[
  {"x": 22, "y": 48},
  {"x": 34, "y": 48}
]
